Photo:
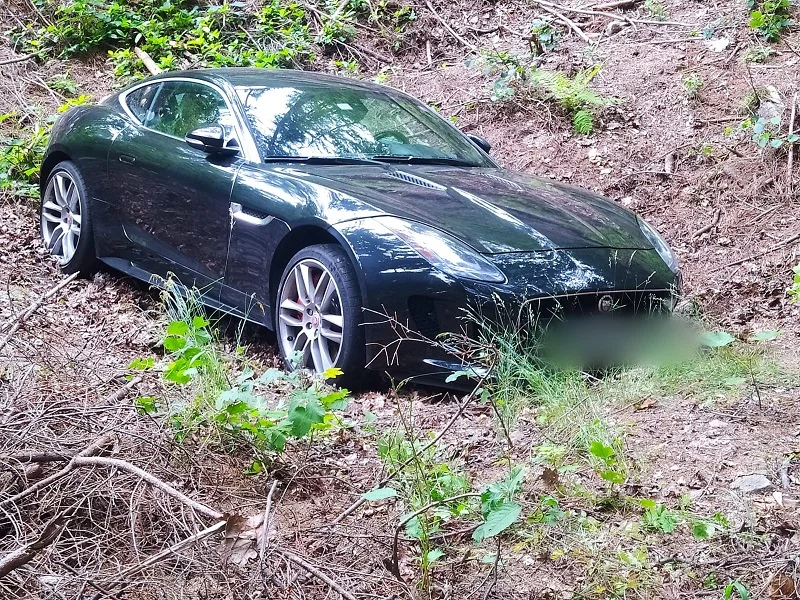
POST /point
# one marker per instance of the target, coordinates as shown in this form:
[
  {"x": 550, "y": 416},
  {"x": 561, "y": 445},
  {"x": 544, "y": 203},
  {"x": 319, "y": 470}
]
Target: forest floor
[{"x": 731, "y": 211}]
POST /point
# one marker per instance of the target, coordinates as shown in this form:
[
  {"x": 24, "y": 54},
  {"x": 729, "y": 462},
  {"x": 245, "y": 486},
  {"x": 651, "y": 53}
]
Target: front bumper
[{"x": 409, "y": 305}]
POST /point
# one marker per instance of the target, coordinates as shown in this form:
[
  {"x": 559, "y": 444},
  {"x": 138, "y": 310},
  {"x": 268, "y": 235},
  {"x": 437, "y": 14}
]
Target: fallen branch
[
  {"x": 615, "y": 5},
  {"x": 34, "y": 456},
  {"x": 301, "y": 562},
  {"x": 22, "y": 556},
  {"x": 608, "y": 15},
  {"x": 784, "y": 243},
  {"x": 148, "y": 62},
  {"x": 265, "y": 525},
  {"x": 710, "y": 226},
  {"x": 92, "y": 461},
  {"x": 18, "y": 59},
  {"x": 448, "y": 28},
  {"x": 568, "y": 22},
  {"x": 95, "y": 447},
  {"x": 790, "y": 164},
  {"x": 16, "y": 322},
  {"x": 174, "y": 549}
]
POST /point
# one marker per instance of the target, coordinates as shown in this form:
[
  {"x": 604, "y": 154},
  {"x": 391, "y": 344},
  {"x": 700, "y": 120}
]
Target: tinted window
[
  {"x": 182, "y": 106},
  {"x": 138, "y": 101},
  {"x": 327, "y": 121}
]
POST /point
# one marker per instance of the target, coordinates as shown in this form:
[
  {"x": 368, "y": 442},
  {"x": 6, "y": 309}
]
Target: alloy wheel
[
  {"x": 61, "y": 217},
  {"x": 311, "y": 324}
]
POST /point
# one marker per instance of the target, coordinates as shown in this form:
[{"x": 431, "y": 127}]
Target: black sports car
[{"x": 314, "y": 204}]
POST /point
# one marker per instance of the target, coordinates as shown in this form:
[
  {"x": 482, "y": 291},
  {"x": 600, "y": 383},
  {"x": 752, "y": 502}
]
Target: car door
[{"x": 173, "y": 199}]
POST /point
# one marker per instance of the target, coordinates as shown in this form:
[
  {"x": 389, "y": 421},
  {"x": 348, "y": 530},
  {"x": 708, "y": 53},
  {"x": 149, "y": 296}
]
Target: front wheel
[
  {"x": 66, "y": 224},
  {"x": 318, "y": 313}
]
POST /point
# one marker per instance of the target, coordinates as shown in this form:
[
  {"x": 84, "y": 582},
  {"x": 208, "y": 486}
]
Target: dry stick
[
  {"x": 21, "y": 556},
  {"x": 174, "y": 549},
  {"x": 19, "y": 59},
  {"x": 494, "y": 570},
  {"x": 449, "y": 29},
  {"x": 615, "y": 5},
  {"x": 34, "y": 456},
  {"x": 148, "y": 62},
  {"x": 794, "y": 238},
  {"x": 568, "y": 22},
  {"x": 16, "y": 322},
  {"x": 790, "y": 164},
  {"x": 710, "y": 226},
  {"x": 616, "y": 17},
  {"x": 96, "y": 446},
  {"x": 92, "y": 461},
  {"x": 402, "y": 523},
  {"x": 355, "y": 505},
  {"x": 265, "y": 525},
  {"x": 301, "y": 562}
]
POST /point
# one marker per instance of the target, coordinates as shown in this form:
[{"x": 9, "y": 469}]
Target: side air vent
[
  {"x": 254, "y": 213},
  {"x": 413, "y": 179}
]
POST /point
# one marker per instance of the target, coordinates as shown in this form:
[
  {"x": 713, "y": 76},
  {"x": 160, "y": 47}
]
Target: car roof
[{"x": 255, "y": 77}]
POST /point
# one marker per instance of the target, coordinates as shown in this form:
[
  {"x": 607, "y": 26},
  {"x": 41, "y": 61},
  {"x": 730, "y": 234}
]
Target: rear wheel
[
  {"x": 318, "y": 313},
  {"x": 66, "y": 225}
]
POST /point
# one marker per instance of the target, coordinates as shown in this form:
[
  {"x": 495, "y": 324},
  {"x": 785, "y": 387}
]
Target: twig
[
  {"x": 174, "y": 549},
  {"x": 19, "y": 59},
  {"x": 614, "y": 5},
  {"x": 22, "y": 556},
  {"x": 492, "y": 585},
  {"x": 794, "y": 238},
  {"x": 148, "y": 62},
  {"x": 34, "y": 456},
  {"x": 96, "y": 446},
  {"x": 568, "y": 22},
  {"x": 402, "y": 523},
  {"x": 790, "y": 164},
  {"x": 265, "y": 525},
  {"x": 301, "y": 562},
  {"x": 17, "y": 321},
  {"x": 448, "y": 28},
  {"x": 616, "y": 17},
  {"x": 92, "y": 461},
  {"x": 785, "y": 474},
  {"x": 355, "y": 505},
  {"x": 710, "y": 226}
]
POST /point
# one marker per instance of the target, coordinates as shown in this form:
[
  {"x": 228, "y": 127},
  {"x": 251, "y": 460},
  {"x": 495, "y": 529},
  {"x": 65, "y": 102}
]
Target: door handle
[
  {"x": 238, "y": 213},
  {"x": 128, "y": 160}
]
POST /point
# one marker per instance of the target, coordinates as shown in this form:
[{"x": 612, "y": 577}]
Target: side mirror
[
  {"x": 480, "y": 142},
  {"x": 211, "y": 140}
]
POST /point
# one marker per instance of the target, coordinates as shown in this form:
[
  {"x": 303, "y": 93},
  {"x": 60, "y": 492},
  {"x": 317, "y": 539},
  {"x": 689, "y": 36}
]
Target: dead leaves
[
  {"x": 243, "y": 537},
  {"x": 782, "y": 586}
]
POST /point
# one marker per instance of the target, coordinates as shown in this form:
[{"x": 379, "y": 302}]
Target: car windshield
[{"x": 326, "y": 122}]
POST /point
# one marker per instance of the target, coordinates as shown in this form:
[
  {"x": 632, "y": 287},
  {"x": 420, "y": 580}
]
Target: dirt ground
[{"x": 728, "y": 213}]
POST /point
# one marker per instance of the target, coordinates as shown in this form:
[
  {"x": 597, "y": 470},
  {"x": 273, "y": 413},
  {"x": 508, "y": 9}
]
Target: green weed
[
  {"x": 794, "y": 289},
  {"x": 655, "y": 10},
  {"x": 770, "y": 17}
]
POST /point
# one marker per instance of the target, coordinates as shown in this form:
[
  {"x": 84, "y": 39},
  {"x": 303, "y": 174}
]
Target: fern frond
[{"x": 583, "y": 122}]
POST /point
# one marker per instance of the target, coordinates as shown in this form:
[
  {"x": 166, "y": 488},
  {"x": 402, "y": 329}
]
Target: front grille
[{"x": 408, "y": 178}]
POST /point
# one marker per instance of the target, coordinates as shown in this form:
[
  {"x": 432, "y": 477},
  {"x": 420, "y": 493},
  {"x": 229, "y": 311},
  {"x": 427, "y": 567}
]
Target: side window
[
  {"x": 138, "y": 101},
  {"x": 182, "y": 106}
]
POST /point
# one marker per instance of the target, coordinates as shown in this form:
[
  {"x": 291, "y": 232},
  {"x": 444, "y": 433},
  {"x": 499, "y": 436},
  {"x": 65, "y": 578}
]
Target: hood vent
[{"x": 413, "y": 179}]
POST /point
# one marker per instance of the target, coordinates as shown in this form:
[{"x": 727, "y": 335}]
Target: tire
[
  {"x": 64, "y": 220},
  {"x": 310, "y": 324}
]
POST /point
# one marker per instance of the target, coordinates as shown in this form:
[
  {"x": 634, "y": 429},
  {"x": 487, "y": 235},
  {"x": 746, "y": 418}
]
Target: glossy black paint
[{"x": 228, "y": 226}]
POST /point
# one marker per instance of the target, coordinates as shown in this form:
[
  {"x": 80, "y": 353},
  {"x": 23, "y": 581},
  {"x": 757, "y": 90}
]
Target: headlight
[
  {"x": 660, "y": 245},
  {"x": 443, "y": 251}
]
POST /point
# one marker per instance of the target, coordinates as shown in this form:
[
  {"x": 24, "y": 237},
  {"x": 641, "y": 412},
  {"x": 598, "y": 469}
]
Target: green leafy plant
[
  {"x": 770, "y": 18},
  {"x": 692, "y": 85},
  {"x": 498, "y": 506},
  {"x": 544, "y": 37},
  {"x": 609, "y": 468},
  {"x": 657, "y": 517},
  {"x": 737, "y": 588},
  {"x": 794, "y": 289},
  {"x": 655, "y": 10}
]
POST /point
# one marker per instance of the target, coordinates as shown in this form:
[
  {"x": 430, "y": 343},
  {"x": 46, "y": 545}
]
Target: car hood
[{"x": 493, "y": 210}]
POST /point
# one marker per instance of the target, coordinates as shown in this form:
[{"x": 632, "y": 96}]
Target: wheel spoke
[
  {"x": 60, "y": 189},
  {"x": 50, "y": 205},
  {"x": 325, "y": 354},
  {"x": 51, "y": 217},
  {"x": 75, "y": 229},
  {"x": 323, "y": 283},
  {"x": 290, "y": 320},
  {"x": 337, "y": 320},
  {"x": 290, "y": 304},
  {"x": 331, "y": 335},
  {"x": 68, "y": 245},
  {"x": 76, "y": 217},
  {"x": 316, "y": 356},
  {"x": 72, "y": 199}
]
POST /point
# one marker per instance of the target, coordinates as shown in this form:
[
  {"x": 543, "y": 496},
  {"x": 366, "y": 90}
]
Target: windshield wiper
[
  {"x": 325, "y": 160},
  {"x": 423, "y": 160}
]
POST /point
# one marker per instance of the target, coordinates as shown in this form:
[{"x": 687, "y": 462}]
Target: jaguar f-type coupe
[{"x": 341, "y": 214}]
